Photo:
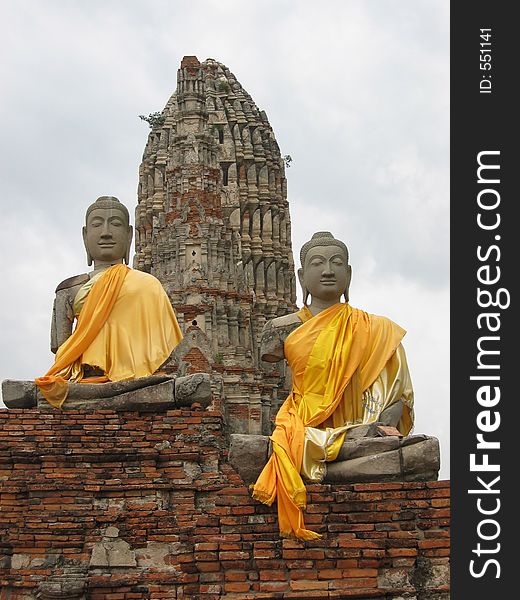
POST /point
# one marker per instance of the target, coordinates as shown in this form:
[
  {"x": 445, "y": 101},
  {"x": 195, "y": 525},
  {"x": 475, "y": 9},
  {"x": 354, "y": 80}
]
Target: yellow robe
[
  {"x": 126, "y": 327},
  {"x": 335, "y": 358}
]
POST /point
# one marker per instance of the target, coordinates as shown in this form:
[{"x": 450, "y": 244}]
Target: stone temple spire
[{"x": 212, "y": 224}]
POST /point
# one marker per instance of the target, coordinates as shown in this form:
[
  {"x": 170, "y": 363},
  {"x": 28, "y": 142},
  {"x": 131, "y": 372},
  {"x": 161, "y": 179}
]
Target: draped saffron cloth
[
  {"x": 334, "y": 357},
  {"x": 126, "y": 327}
]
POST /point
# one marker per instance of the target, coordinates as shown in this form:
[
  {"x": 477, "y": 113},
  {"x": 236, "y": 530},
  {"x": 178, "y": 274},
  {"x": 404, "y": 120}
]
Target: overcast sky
[{"x": 357, "y": 92}]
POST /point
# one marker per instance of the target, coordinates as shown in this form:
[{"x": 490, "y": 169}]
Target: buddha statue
[
  {"x": 350, "y": 380},
  {"x": 125, "y": 326}
]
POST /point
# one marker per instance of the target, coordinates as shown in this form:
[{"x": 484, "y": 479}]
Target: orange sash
[
  {"x": 104, "y": 293},
  {"x": 334, "y": 356}
]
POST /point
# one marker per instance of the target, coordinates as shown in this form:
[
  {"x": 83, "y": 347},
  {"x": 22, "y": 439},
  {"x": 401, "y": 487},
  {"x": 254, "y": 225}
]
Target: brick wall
[{"x": 139, "y": 506}]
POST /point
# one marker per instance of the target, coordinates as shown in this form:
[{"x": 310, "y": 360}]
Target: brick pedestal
[{"x": 121, "y": 506}]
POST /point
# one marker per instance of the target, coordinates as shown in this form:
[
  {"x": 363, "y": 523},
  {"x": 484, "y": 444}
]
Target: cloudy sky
[{"x": 357, "y": 92}]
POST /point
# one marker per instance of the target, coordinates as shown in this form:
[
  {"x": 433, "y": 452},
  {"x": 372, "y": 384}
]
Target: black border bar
[{"x": 485, "y": 356}]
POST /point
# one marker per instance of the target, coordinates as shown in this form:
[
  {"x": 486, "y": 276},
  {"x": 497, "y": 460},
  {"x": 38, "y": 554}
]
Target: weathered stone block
[
  {"x": 151, "y": 398},
  {"x": 413, "y": 458},
  {"x": 157, "y": 392},
  {"x": 193, "y": 388},
  {"x": 363, "y": 446},
  {"x": 18, "y": 394},
  {"x": 375, "y": 467},
  {"x": 248, "y": 455},
  {"x": 112, "y": 551},
  {"x": 68, "y": 586}
]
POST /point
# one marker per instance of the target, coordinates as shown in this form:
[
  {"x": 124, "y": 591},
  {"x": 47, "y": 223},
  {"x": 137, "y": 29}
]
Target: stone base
[
  {"x": 154, "y": 393},
  {"x": 412, "y": 458},
  {"x": 389, "y": 458}
]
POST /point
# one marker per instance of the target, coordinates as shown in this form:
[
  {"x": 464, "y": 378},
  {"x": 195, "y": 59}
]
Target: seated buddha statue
[
  {"x": 349, "y": 371},
  {"x": 113, "y": 323}
]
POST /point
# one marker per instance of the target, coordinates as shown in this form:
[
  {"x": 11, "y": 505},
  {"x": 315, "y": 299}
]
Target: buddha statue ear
[
  {"x": 347, "y": 286},
  {"x": 89, "y": 256},
  {"x": 130, "y": 236},
  {"x": 305, "y": 292}
]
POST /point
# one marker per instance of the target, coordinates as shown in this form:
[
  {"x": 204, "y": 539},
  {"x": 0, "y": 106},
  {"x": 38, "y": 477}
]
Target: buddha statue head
[
  {"x": 325, "y": 273},
  {"x": 107, "y": 233}
]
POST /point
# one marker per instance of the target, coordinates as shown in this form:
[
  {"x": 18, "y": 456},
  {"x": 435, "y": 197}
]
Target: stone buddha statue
[
  {"x": 325, "y": 276},
  {"x": 112, "y": 329},
  {"x": 350, "y": 409},
  {"x": 125, "y": 326},
  {"x": 107, "y": 236}
]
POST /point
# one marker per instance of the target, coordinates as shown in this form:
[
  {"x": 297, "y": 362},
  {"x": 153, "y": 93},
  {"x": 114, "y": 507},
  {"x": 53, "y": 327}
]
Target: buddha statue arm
[
  {"x": 54, "y": 333},
  {"x": 273, "y": 337},
  {"x": 62, "y": 319},
  {"x": 393, "y": 389},
  {"x": 392, "y": 415},
  {"x": 63, "y": 312},
  {"x": 271, "y": 347}
]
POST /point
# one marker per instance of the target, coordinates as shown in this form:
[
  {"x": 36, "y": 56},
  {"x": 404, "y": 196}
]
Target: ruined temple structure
[{"x": 212, "y": 224}]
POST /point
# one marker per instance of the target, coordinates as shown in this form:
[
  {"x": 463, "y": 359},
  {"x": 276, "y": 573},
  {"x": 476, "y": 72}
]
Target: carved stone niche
[{"x": 67, "y": 586}]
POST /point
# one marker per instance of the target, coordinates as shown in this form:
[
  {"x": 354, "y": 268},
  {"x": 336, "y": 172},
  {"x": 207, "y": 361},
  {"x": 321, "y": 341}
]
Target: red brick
[
  {"x": 442, "y": 543},
  {"x": 330, "y": 574},
  {"x": 302, "y": 574},
  {"x": 438, "y": 552},
  {"x": 360, "y": 573},
  {"x": 356, "y": 543},
  {"x": 440, "y": 502},
  {"x": 273, "y": 586},
  {"x": 402, "y": 552},
  {"x": 280, "y": 575},
  {"x": 347, "y": 563},
  {"x": 303, "y": 554},
  {"x": 299, "y": 564},
  {"x": 207, "y": 567},
  {"x": 305, "y": 585},
  {"x": 235, "y": 576},
  {"x": 237, "y": 587},
  {"x": 354, "y": 582}
]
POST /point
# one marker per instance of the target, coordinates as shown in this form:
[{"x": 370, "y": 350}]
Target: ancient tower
[{"x": 212, "y": 223}]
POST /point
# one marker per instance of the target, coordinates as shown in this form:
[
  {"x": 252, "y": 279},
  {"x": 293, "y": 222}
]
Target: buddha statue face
[
  {"x": 107, "y": 233},
  {"x": 325, "y": 272}
]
